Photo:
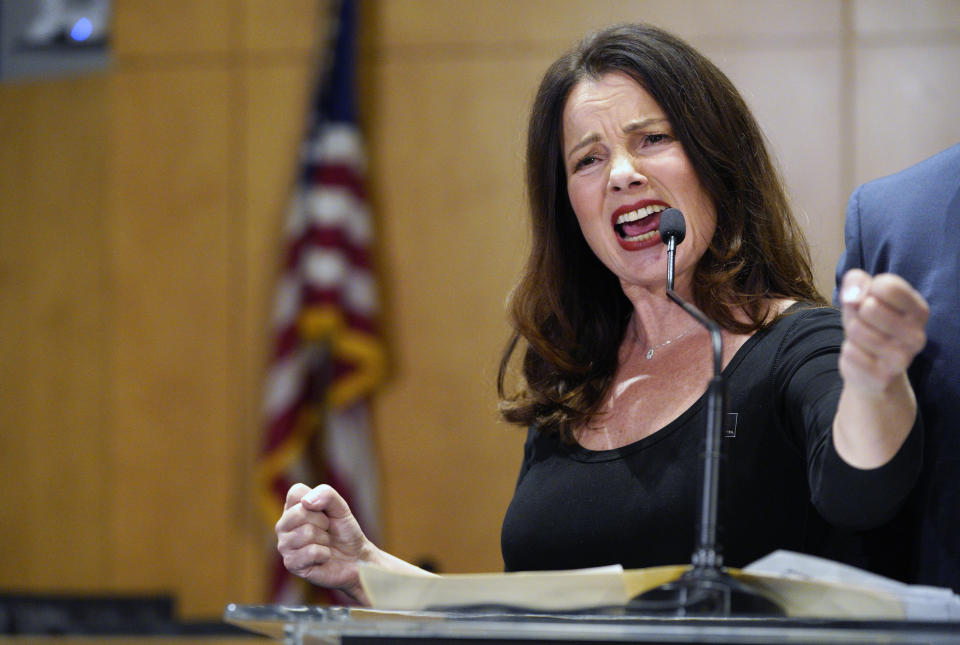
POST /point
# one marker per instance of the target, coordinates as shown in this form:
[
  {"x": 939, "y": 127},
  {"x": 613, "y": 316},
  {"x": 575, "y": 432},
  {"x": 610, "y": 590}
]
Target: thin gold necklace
[{"x": 650, "y": 351}]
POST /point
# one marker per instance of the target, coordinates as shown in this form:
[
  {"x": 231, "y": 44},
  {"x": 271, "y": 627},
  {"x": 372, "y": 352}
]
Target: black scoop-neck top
[{"x": 783, "y": 486}]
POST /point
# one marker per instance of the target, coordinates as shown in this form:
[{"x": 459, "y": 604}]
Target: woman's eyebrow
[
  {"x": 640, "y": 124},
  {"x": 583, "y": 143}
]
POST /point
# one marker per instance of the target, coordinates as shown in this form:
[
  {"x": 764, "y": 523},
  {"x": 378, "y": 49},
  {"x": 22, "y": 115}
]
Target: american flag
[{"x": 327, "y": 358}]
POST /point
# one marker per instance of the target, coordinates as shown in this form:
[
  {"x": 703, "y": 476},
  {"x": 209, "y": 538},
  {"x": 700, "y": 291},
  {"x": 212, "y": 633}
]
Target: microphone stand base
[{"x": 705, "y": 592}]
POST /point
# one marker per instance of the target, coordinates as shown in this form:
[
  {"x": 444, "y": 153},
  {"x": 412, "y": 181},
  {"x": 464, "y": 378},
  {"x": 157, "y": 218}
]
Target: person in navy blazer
[{"x": 909, "y": 224}]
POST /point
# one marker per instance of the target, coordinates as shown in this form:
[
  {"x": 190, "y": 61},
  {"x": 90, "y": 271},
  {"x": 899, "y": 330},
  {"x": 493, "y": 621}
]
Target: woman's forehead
[{"x": 612, "y": 99}]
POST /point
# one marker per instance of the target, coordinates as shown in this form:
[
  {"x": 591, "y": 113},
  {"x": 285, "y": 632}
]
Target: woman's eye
[
  {"x": 589, "y": 160},
  {"x": 651, "y": 139}
]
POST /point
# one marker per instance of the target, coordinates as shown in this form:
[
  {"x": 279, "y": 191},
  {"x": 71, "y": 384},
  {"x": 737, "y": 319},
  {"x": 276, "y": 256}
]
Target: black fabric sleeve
[
  {"x": 527, "y": 453},
  {"x": 809, "y": 384}
]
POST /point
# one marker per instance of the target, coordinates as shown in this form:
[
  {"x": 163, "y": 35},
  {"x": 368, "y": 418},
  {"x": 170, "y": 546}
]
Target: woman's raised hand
[{"x": 883, "y": 320}]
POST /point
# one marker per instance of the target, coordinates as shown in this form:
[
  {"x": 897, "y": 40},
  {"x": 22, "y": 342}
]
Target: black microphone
[
  {"x": 673, "y": 229},
  {"x": 672, "y": 226},
  {"x": 706, "y": 589}
]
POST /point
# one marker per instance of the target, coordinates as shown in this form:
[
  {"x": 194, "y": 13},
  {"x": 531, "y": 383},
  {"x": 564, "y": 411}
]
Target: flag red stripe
[
  {"x": 335, "y": 239},
  {"x": 339, "y": 175}
]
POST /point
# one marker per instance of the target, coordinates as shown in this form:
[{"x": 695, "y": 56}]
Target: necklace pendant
[{"x": 649, "y": 353}]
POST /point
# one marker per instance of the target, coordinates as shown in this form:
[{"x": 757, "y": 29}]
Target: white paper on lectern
[{"x": 919, "y": 602}]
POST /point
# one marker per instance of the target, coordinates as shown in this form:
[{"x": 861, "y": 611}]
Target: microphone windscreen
[{"x": 672, "y": 225}]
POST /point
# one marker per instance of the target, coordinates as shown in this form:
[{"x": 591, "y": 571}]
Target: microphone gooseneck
[{"x": 706, "y": 589}]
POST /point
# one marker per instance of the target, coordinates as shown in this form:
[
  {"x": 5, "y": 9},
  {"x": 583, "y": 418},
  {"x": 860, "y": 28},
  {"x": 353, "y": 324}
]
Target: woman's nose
[{"x": 625, "y": 173}]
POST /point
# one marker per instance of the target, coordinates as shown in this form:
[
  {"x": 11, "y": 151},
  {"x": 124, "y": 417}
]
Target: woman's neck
[{"x": 656, "y": 318}]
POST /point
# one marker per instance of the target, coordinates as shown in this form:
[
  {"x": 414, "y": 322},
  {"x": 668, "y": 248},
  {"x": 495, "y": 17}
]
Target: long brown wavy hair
[{"x": 568, "y": 310}]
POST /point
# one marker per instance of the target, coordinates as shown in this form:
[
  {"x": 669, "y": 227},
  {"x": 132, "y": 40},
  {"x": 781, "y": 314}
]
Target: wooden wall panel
[
  {"x": 53, "y": 311},
  {"x": 133, "y": 342},
  {"x": 275, "y": 99},
  {"x": 446, "y": 143},
  {"x": 813, "y": 178},
  {"x": 172, "y": 357},
  {"x": 288, "y": 26},
  {"x": 179, "y": 27},
  {"x": 907, "y": 60},
  {"x": 420, "y": 25}
]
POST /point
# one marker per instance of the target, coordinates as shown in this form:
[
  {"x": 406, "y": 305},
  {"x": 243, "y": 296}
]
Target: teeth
[
  {"x": 640, "y": 213},
  {"x": 639, "y": 238}
]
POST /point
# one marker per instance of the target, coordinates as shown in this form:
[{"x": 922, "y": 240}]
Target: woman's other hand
[{"x": 321, "y": 541}]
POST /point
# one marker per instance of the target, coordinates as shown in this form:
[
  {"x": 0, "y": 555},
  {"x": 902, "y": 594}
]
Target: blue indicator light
[{"x": 81, "y": 30}]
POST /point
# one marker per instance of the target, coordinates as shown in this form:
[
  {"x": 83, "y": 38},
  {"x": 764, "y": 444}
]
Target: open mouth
[{"x": 638, "y": 225}]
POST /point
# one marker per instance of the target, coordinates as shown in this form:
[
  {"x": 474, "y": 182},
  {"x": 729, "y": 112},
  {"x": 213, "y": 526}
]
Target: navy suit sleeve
[{"x": 852, "y": 256}]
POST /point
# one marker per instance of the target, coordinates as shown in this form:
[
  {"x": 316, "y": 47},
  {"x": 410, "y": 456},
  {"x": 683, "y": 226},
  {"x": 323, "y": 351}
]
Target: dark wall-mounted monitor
[{"x": 53, "y": 38}]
